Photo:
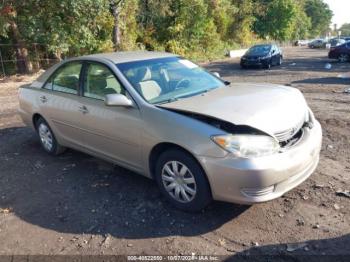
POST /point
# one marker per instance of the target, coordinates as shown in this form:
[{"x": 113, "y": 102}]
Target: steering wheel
[{"x": 183, "y": 82}]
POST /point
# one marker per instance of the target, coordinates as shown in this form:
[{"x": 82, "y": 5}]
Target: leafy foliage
[
  {"x": 320, "y": 15},
  {"x": 194, "y": 28},
  {"x": 345, "y": 30}
]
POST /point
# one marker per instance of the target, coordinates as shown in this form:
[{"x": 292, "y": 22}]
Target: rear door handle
[
  {"x": 83, "y": 109},
  {"x": 43, "y": 99}
]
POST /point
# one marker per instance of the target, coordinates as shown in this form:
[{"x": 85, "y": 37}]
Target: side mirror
[
  {"x": 216, "y": 74},
  {"x": 118, "y": 100}
]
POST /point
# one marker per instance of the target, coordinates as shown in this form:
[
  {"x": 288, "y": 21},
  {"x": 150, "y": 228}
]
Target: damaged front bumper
[{"x": 256, "y": 180}]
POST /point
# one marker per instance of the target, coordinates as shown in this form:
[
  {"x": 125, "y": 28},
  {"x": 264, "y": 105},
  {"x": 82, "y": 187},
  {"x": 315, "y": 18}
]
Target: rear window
[{"x": 66, "y": 78}]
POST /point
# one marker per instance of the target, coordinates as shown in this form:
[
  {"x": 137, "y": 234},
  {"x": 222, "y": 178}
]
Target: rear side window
[{"x": 66, "y": 79}]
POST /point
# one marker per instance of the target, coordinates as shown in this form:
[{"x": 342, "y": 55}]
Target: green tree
[
  {"x": 125, "y": 29},
  {"x": 345, "y": 29},
  {"x": 63, "y": 26},
  {"x": 195, "y": 28},
  {"x": 302, "y": 23},
  {"x": 223, "y": 13},
  {"x": 180, "y": 26},
  {"x": 278, "y": 22},
  {"x": 320, "y": 15},
  {"x": 241, "y": 28}
]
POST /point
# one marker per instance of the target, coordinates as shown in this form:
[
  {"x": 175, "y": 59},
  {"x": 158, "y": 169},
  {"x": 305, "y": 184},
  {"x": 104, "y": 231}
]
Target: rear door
[
  {"x": 113, "y": 132},
  {"x": 59, "y": 102}
]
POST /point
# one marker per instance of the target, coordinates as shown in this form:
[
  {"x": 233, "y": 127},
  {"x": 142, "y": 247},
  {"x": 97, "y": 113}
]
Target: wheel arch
[
  {"x": 158, "y": 149},
  {"x": 35, "y": 118}
]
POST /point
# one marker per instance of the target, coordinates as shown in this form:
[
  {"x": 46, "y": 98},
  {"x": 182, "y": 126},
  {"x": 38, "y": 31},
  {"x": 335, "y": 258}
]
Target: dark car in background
[
  {"x": 341, "y": 52},
  {"x": 317, "y": 43},
  {"x": 265, "y": 55},
  {"x": 301, "y": 43},
  {"x": 337, "y": 41}
]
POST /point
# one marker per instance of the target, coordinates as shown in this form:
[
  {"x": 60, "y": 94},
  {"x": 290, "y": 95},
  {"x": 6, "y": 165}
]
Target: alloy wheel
[{"x": 343, "y": 58}]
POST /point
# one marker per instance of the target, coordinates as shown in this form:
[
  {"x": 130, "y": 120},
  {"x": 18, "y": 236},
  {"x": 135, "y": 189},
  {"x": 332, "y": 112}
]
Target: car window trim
[{"x": 56, "y": 70}]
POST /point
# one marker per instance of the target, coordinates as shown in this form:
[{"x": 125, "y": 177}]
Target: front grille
[{"x": 289, "y": 133}]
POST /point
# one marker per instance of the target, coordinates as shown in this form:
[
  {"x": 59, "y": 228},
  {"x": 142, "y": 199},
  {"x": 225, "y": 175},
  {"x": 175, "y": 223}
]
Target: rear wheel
[
  {"x": 343, "y": 58},
  {"x": 182, "y": 181},
  {"x": 47, "y": 138}
]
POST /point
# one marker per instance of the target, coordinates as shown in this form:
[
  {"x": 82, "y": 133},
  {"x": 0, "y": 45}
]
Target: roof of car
[
  {"x": 130, "y": 56},
  {"x": 262, "y": 45}
]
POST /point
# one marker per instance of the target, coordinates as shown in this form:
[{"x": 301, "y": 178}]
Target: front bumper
[
  {"x": 257, "y": 62},
  {"x": 249, "y": 181}
]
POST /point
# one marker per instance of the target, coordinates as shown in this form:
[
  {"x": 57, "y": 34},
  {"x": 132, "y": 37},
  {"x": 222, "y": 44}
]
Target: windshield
[
  {"x": 259, "y": 50},
  {"x": 165, "y": 80}
]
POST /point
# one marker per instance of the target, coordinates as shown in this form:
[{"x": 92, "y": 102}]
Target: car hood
[{"x": 271, "y": 108}]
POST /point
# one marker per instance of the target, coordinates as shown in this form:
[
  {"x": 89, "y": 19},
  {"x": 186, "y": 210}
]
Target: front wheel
[
  {"x": 268, "y": 65},
  {"x": 280, "y": 61},
  {"x": 182, "y": 181},
  {"x": 47, "y": 138},
  {"x": 343, "y": 58}
]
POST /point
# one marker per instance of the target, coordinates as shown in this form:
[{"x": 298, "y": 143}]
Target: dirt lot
[{"x": 77, "y": 204}]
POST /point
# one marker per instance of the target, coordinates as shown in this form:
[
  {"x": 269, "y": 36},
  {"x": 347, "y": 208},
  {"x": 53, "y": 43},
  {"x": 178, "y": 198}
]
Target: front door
[{"x": 113, "y": 132}]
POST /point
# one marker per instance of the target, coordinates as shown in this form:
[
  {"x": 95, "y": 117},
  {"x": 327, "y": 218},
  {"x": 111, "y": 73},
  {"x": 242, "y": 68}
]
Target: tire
[
  {"x": 198, "y": 193},
  {"x": 343, "y": 58},
  {"x": 280, "y": 61},
  {"x": 243, "y": 67},
  {"x": 47, "y": 138},
  {"x": 268, "y": 65}
]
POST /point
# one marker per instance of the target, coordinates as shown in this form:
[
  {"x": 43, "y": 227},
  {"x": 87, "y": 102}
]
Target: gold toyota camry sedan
[{"x": 199, "y": 137}]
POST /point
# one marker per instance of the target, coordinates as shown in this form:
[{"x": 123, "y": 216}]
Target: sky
[{"x": 341, "y": 10}]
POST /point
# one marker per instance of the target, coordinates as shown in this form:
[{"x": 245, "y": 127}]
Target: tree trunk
[
  {"x": 115, "y": 8},
  {"x": 23, "y": 65}
]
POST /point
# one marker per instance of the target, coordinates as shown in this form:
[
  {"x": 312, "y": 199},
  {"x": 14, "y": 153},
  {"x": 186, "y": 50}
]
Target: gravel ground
[{"x": 77, "y": 204}]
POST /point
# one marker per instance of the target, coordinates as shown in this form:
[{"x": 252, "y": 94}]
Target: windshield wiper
[
  {"x": 173, "y": 99},
  {"x": 176, "y": 98}
]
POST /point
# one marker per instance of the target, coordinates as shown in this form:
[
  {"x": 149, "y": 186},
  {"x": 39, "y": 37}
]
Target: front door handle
[
  {"x": 83, "y": 109},
  {"x": 43, "y": 99}
]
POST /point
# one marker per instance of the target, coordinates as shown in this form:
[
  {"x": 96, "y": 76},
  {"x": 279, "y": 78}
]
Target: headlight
[{"x": 247, "y": 146}]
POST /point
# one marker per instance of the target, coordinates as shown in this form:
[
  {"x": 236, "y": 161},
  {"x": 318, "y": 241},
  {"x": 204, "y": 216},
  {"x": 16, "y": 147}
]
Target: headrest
[
  {"x": 143, "y": 74},
  {"x": 98, "y": 82}
]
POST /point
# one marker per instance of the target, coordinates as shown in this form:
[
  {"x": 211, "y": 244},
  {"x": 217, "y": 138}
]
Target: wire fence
[{"x": 36, "y": 56}]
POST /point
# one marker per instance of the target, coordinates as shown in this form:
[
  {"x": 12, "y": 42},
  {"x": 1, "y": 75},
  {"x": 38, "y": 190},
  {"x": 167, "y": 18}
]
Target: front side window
[
  {"x": 66, "y": 78},
  {"x": 164, "y": 80},
  {"x": 100, "y": 82}
]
